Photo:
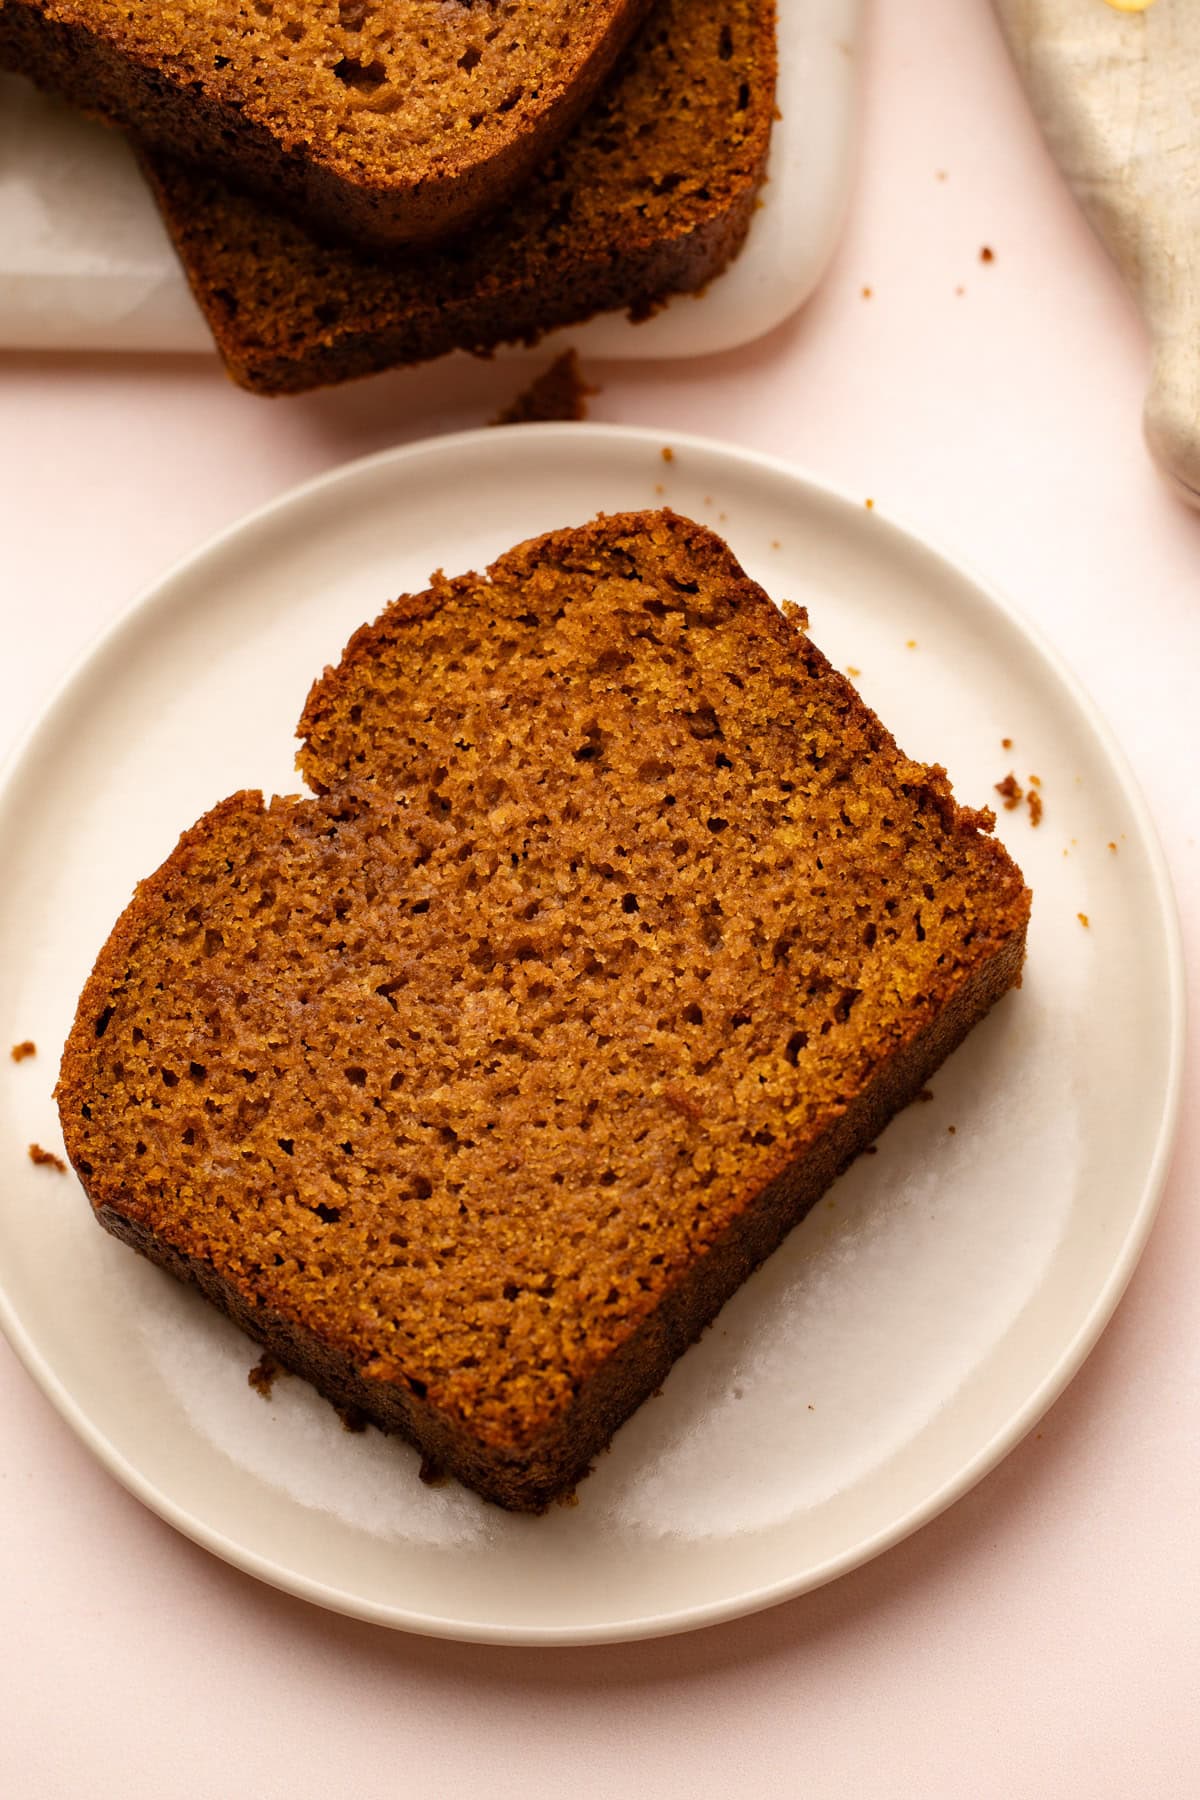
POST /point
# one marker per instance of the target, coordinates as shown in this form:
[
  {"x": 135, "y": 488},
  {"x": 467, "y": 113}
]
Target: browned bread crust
[
  {"x": 651, "y": 196},
  {"x": 385, "y": 122},
  {"x": 475, "y": 1085}
]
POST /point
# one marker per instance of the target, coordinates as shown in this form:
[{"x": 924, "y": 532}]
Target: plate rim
[{"x": 158, "y": 594}]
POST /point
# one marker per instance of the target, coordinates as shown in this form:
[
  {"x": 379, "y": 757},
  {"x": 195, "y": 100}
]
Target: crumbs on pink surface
[{"x": 46, "y": 1159}]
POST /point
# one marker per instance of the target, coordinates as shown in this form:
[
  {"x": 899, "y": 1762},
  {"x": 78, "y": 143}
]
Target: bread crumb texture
[
  {"x": 612, "y": 899},
  {"x": 22, "y": 1051}
]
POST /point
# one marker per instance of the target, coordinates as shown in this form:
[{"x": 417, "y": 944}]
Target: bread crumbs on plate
[
  {"x": 987, "y": 254},
  {"x": 1083, "y": 920},
  {"x": 262, "y": 1376},
  {"x": 668, "y": 455},
  {"x": 1036, "y": 807},
  {"x": 1010, "y": 791},
  {"x": 46, "y": 1159},
  {"x": 27, "y": 1047}
]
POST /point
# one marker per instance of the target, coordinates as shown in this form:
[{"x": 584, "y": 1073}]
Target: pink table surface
[{"x": 1043, "y": 1637}]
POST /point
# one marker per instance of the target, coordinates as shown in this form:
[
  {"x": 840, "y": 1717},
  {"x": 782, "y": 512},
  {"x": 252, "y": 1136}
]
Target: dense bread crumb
[
  {"x": 20, "y": 1051},
  {"x": 389, "y": 121},
  {"x": 46, "y": 1159},
  {"x": 263, "y": 1375},
  {"x": 652, "y": 195},
  {"x": 559, "y": 392},
  {"x": 1010, "y": 792},
  {"x": 480, "y": 1080}
]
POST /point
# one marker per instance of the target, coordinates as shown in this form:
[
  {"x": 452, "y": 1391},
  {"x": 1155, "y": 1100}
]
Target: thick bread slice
[
  {"x": 384, "y": 121},
  {"x": 474, "y": 1086},
  {"x": 652, "y": 195}
]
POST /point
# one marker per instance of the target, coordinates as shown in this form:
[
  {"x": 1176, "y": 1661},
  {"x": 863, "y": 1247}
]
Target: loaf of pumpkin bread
[{"x": 473, "y": 1085}]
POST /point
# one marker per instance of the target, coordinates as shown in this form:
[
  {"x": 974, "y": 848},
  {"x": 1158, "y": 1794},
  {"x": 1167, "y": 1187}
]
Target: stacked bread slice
[
  {"x": 350, "y": 192},
  {"x": 388, "y": 121}
]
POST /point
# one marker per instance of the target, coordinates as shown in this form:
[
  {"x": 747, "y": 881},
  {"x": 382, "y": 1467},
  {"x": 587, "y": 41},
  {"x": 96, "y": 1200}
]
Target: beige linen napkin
[{"x": 1115, "y": 85}]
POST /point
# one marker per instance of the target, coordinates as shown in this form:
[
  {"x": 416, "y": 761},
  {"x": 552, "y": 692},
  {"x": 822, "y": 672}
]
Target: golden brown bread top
[{"x": 617, "y": 896}]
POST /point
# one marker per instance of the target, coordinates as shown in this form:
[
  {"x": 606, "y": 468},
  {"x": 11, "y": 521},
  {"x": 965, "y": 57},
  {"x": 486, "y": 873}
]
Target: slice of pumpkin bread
[
  {"x": 383, "y": 121},
  {"x": 473, "y": 1086}
]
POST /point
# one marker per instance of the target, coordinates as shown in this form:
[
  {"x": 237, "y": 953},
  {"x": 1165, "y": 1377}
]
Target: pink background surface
[{"x": 1043, "y": 1637}]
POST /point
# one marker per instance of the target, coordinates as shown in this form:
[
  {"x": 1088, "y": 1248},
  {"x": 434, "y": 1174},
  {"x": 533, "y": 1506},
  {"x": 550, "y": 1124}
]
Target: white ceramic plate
[
  {"x": 85, "y": 262},
  {"x": 906, "y": 1335}
]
